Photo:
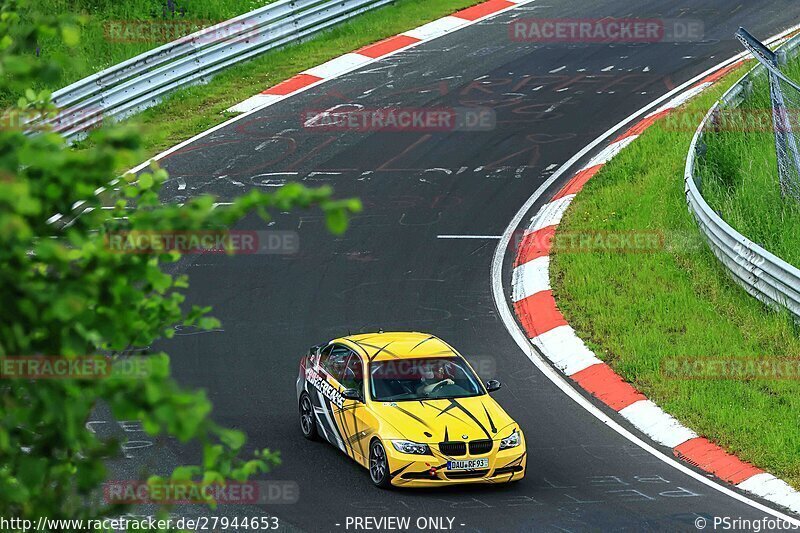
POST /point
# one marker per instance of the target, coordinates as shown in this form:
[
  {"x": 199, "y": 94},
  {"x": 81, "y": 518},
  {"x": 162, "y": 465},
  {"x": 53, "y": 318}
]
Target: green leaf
[
  {"x": 146, "y": 181},
  {"x": 232, "y": 438},
  {"x": 71, "y": 35},
  {"x": 336, "y": 220}
]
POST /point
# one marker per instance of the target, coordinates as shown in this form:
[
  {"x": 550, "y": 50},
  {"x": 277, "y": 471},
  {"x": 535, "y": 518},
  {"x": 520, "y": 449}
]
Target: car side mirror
[
  {"x": 492, "y": 385},
  {"x": 352, "y": 394}
]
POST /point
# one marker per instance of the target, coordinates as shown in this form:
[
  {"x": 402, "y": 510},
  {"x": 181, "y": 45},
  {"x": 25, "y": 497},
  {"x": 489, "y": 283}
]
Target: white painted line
[
  {"x": 565, "y": 350},
  {"x": 530, "y": 278},
  {"x": 656, "y": 424},
  {"x": 553, "y": 375}
]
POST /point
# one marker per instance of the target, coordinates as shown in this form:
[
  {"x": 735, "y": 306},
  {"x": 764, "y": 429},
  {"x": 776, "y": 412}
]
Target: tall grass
[{"x": 740, "y": 176}]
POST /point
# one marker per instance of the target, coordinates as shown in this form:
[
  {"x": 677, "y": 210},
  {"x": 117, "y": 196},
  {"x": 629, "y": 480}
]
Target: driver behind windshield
[
  {"x": 432, "y": 378},
  {"x": 418, "y": 379}
]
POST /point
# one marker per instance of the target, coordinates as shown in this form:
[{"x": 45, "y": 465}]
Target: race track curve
[{"x": 392, "y": 271}]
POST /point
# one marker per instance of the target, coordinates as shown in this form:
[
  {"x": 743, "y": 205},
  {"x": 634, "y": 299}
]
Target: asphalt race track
[{"x": 391, "y": 271}]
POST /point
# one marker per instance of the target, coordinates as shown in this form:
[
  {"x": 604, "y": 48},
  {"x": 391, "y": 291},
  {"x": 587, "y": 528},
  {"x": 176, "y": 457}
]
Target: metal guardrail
[
  {"x": 142, "y": 81},
  {"x": 762, "y": 274}
]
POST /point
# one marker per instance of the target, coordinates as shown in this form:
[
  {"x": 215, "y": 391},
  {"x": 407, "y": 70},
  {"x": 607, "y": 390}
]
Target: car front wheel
[{"x": 379, "y": 466}]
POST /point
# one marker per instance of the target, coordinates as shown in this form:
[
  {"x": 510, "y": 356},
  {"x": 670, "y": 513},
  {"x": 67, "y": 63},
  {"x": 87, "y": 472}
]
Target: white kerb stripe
[
  {"x": 254, "y": 102},
  {"x": 437, "y": 28},
  {"x": 771, "y": 488},
  {"x": 658, "y": 425},
  {"x": 610, "y": 151},
  {"x": 565, "y": 350},
  {"x": 682, "y": 98},
  {"x": 530, "y": 278},
  {"x": 338, "y": 66},
  {"x": 551, "y": 213}
]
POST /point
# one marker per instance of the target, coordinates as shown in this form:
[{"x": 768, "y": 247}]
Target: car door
[
  {"x": 324, "y": 390},
  {"x": 358, "y": 421}
]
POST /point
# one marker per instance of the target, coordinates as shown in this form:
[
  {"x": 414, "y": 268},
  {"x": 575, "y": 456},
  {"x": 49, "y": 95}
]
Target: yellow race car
[{"x": 409, "y": 408}]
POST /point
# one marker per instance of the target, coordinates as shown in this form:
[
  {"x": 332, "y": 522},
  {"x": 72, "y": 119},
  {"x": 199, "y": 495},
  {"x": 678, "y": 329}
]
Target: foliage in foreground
[{"x": 65, "y": 293}]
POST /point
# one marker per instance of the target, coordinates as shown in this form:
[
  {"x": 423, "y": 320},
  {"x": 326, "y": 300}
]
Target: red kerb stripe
[
  {"x": 705, "y": 454},
  {"x": 534, "y": 244},
  {"x": 387, "y": 46},
  {"x": 603, "y": 382},
  {"x": 481, "y": 10},
  {"x": 645, "y": 123},
  {"x": 539, "y": 314},
  {"x": 292, "y": 84},
  {"x": 576, "y": 184}
]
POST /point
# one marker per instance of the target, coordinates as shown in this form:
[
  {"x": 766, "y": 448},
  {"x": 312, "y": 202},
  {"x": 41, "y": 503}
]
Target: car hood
[{"x": 431, "y": 421}]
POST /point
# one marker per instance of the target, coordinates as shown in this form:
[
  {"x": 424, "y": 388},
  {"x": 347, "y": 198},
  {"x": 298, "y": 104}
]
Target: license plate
[{"x": 468, "y": 464}]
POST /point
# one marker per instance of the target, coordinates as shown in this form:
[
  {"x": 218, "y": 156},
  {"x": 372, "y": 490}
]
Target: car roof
[{"x": 398, "y": 345}]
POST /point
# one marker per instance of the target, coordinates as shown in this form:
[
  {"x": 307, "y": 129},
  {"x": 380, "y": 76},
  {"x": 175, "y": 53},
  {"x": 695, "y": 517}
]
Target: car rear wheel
[
  {"x": 379, "y": 466},
  {"x": 307, "y": 423}
]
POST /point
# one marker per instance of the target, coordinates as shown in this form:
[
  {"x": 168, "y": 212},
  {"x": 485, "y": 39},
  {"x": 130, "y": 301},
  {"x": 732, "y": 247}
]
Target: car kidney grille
[
  {"x": 480, "y": 447},
  {"x": 453, "y": 448}
]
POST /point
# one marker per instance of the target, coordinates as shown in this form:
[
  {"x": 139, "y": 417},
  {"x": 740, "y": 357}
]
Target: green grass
[
  {"x": 740, "y": 175},
  {"x": 194, "y": 109},
  {"x": 99, "y": 48},
  {"x": 636, "y": 310}
]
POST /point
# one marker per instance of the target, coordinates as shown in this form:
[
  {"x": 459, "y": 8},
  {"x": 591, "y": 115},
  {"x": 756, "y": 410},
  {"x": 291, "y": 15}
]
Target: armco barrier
[
  {"x": 142, "y": 81},
  {"x": 765, "y": 276}
]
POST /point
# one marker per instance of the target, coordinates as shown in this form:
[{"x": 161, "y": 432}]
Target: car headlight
[
  {"x": 407, "y": 446},
  {"x": 512, "y": 441}
]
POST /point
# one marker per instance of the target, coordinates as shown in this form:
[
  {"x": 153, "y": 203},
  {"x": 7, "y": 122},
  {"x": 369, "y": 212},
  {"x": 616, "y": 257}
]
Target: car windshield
[{"x": 422, "y": 379}]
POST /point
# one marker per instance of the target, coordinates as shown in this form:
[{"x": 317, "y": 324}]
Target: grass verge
[
  {"x": 192, "y": 110},
  {"x": 740, "y": 172},
  {"x": 114, "y": 31},
  {"x": 638, "y": 311}
]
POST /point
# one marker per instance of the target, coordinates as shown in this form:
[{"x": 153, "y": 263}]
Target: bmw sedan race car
[{"x": 409, "y": 408}]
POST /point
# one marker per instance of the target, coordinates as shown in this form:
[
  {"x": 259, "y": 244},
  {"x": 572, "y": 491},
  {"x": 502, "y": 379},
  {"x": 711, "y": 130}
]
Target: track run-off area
[{"x": 419, "y": 257}]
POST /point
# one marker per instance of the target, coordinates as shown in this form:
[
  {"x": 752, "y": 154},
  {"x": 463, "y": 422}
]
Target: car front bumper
[{"x": 410, "y": 470}]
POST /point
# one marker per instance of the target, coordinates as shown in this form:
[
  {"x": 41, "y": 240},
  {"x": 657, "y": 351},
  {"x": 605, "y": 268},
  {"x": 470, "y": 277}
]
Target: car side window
[
  {"x": 334, "y": 364},
  {"x": 353, "y": 377},
  {"x": 324, "y": 354}
]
